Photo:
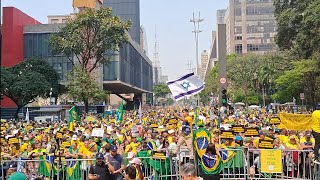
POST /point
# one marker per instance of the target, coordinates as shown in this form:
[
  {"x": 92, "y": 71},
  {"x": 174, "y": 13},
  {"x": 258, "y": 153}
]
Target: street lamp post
[
  {"x": 263, "y": 96},
  {"x": 196, "y": 31},
  {"x": 50, "y": 95}
]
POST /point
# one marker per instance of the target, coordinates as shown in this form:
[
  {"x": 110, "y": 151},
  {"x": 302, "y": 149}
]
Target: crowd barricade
[
  {"x": 287, "y": 164},
  {"x": 64, "y": 169},
  {"x": 316, "y": 170},
  {"x": 242, "y": 164}
]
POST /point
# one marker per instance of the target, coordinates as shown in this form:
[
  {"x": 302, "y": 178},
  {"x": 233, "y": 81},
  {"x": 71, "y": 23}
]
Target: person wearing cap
[
  {"x": 307, "y": 142},
  {"x": 316, "y": 131},
  {"x": 101, "y": 170},
  {"x": 136, "y": 162},
  {"x": 117, "y": 162},
  {"x": 293, "y": 143}
]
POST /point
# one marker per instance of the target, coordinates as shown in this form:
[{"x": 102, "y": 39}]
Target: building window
[
  {"x": 237, "y": 11},
  {"x": 64, "y": 21},
  {"x": 54, "y": 21},
  {"x": 238, "y": 38},
  {"x": 252, "y": 47},
  {"x": 238, "y": 48},
  {"x": 238, "y": 30}
]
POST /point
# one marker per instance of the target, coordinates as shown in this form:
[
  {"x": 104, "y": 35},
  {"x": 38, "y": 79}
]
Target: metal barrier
[
  {"x": 244, "y": 164},
  {"x": 67, "y": 169},
  {"x": 316, "y": 170},
  {"x": 296, "y": 164}
]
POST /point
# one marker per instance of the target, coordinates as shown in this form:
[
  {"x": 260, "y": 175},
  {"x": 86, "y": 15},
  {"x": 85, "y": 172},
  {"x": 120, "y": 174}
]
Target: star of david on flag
[{"x": 186, "y": 86}]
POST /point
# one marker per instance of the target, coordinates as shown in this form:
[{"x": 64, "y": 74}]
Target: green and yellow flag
[
  {"x": 120, "y": 112},
  {"x": 73, "y": 117}
]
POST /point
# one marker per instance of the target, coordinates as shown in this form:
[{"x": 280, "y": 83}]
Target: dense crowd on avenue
[{"x": 123, "y": 144}]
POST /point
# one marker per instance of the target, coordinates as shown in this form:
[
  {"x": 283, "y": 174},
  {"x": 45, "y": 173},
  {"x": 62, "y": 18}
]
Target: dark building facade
[{"x": 127, "y": 10}]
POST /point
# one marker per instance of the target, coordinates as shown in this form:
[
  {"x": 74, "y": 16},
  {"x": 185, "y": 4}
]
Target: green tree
[
  {"x": 26, "y": 81},
  {"x": 302, "y": 77},
  {"x": 90, "y": 37},
  {"x": 298, "y": 26},
  {"x": 242, "y": 73},
  {"x": 83, "y": 87},
  {"x": 161, "y": 90},
  {"x": 212, "y": 85}
]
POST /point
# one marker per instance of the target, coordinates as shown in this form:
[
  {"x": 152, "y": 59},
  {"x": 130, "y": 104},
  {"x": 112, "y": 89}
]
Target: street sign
[
  {"x": 223, "y": 80},
  {"x": 302, "y": 96}
]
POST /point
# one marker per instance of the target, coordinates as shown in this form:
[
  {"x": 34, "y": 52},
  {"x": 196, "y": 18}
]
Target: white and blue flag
[{"x": 186, "y": 86}]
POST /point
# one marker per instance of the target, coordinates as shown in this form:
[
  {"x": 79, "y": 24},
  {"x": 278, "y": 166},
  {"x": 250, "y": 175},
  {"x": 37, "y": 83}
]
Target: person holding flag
[
  {"x": 73, "y": 117},
  {"x": 186, "y": 135}
]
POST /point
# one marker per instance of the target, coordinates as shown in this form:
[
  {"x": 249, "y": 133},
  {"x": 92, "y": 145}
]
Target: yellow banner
[
  {"x": 271, "y": 161},
  {"x": 295, "y": 121}
]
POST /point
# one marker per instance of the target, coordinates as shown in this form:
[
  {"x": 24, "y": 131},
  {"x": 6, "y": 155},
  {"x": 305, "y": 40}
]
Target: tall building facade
[
  {"x": 251, "y": 26},
  {"x": 204, "y": 64},
  {"x": 127, "y": 10}
]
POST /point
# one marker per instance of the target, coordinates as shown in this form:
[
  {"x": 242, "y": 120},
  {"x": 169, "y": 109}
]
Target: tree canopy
[
  {"x": 90, "y": 36},
  {"x": 83, "y": 87},
  {"x": 298, "y": 26},
  {"x": 161, "y": 90},
  {"x": 26, "y": 81}
]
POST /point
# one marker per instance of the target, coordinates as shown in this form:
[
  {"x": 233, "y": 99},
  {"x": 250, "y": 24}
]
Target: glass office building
[
  {"x": 127, "y": 10},
  {"x": 129, "y": 71},
  {"x": 251, "y": 26}
]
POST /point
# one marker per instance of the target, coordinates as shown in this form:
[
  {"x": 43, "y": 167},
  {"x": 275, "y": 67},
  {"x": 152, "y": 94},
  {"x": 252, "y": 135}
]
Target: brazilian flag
[
  {"x": 201, "y": 139},
  {"x": 211, "y": 164},
  {"x": 42, "y": 169},
  {"x": 49, "y": 162},
  {"x": 73, "y": 117},
  {"x": 226, "y": 154}
]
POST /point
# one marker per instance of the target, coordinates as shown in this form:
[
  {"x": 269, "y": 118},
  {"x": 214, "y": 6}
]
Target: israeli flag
[{"x": 186, "y": 86}]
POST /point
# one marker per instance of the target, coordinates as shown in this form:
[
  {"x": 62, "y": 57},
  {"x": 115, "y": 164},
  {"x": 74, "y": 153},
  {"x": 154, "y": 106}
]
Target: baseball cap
[
  {"x": 238, "y": 138},
  {"x": 113, "y": 148},
  {"x": 130, "y": 155},
  {"x": 261, "y": 133},
  {"x": 99, "y": 156},
  {"x": 135, "y": 161}
]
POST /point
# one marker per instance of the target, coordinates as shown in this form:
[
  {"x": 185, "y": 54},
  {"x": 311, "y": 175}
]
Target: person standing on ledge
[{"x": 316, "y": 130}]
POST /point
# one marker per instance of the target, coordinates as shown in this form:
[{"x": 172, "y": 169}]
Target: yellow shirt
[
  {"x": 170, "y": 139},
  {"x": 283, "y": 139},
  {"x": 190, "y": 120},
  {"x": 132, "y": 147},
  {"x": 303, "y": 140},
  {"x": 292, "y": 146},
  {"x": 24, "y": 147},
  {"x": 316, "y": 121}
]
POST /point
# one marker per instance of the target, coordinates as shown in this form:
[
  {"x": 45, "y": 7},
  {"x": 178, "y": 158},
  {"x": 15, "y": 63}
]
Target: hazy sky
[{"x": 170, "y": 17}]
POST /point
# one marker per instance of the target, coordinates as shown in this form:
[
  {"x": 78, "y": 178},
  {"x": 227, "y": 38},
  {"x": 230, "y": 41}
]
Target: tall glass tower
[{"x": 127, "y": 10}]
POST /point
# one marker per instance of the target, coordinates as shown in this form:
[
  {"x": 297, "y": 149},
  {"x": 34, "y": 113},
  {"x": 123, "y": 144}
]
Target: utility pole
[
  {"x": 263, "y": 96},
  {"x": 189, "y": 65},
  {"x": 196, "y": 24}
]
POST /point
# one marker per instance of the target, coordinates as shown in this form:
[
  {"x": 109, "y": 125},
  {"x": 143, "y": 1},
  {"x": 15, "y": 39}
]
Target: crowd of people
[{"x": 116, "y": 152}]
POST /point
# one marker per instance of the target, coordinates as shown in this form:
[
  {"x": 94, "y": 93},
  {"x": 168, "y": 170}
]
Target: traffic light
[{"x": 224, "y": 98}]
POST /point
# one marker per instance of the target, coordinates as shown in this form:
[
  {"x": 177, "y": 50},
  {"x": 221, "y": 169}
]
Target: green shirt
[{"x": 17, "y": 176}]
